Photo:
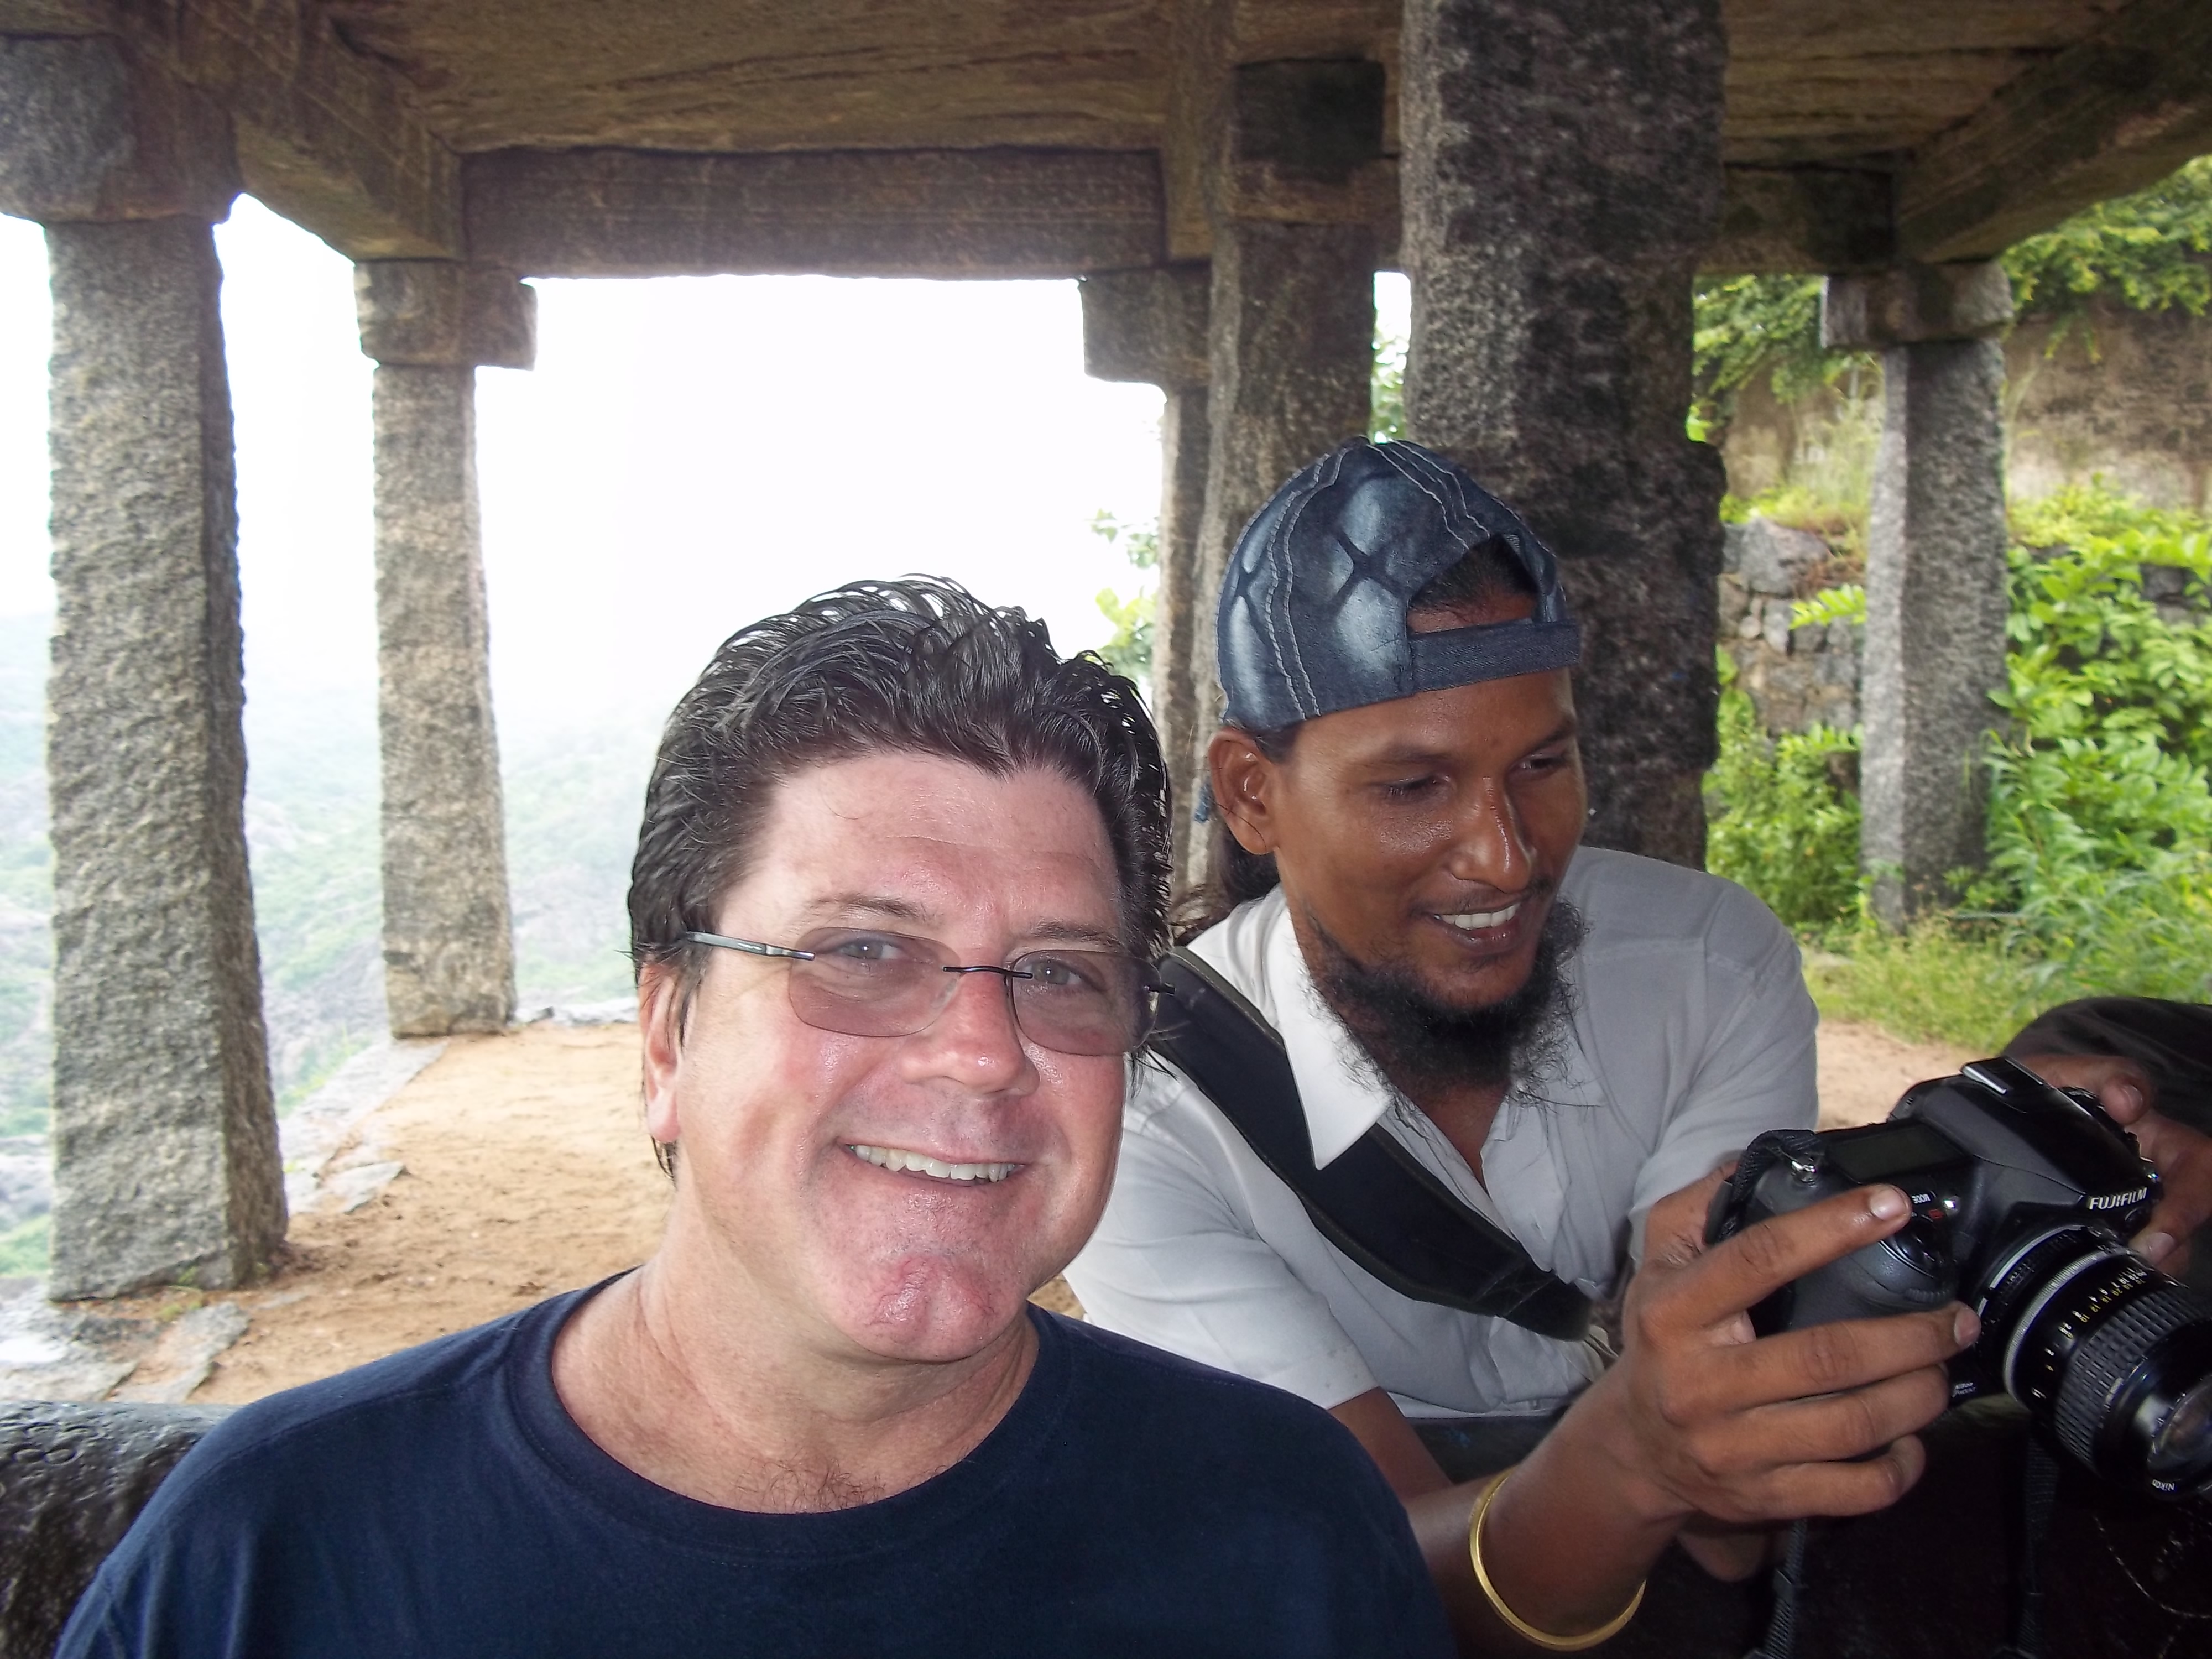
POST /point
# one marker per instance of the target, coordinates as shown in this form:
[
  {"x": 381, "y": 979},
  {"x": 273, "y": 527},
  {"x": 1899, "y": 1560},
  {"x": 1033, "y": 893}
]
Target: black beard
[{"x": 1422, "y": 1044}]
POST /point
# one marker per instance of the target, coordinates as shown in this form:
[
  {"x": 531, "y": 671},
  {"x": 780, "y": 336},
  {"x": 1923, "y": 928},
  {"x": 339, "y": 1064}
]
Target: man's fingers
[
  {"x": 1738, "y": 1272},
  {"x": 1828, "y": 1360},
  {"x": 1802, "y": 1489},
  {"x": 1840, "y": 1426},
  {"x": 2121, "y": 1086}
]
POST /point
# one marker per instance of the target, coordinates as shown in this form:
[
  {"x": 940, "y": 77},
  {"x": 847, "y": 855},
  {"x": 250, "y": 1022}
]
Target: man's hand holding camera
[
  {"x": 1708, "y": 1418},
  {"x": 1703, "y": 1430}
]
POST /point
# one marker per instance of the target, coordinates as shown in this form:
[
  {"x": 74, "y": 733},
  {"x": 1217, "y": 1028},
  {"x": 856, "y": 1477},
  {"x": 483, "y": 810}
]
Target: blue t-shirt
[{"x": 442, "y": 1502}]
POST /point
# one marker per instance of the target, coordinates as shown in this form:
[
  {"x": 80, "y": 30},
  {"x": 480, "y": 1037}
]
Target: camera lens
[
  {"x": 2183, "y": 1441},
  {"x": 2113, "y": 1356}
]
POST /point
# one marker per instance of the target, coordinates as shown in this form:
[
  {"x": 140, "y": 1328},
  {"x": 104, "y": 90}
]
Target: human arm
[{"x": 1699, "y": 1418}]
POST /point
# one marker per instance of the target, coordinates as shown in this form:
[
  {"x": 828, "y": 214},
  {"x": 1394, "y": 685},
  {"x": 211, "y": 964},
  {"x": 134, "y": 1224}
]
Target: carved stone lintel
[
  {"x": 436, "y": 313},
  {"x": 1147, "y": 325},
  {"x": 1911, "y": 304}
]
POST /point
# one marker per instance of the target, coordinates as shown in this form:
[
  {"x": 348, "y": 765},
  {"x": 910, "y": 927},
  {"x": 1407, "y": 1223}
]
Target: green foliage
[
  {"x": 1129, "y": 651},
  {"x": 1938, "y": 981},
  {"x": 2079, "y": 514},
  {"x": 1746, "y": 325},
  {"x": 1784, "y": 816},
  {"x": 1388, "y": 388},
  {"x": 2100, "y": 813},
  {"x": 2100, "y": 873},
  {"x": 2143, "y": 251},
  {"x": 23, "y": 1249},
  {"x": 1846, "y": 604}
]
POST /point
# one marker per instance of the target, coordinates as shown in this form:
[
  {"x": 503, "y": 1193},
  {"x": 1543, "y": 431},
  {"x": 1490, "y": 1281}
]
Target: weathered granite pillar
[
  {"x": 448, "y": 947},
  {"x": 1935, "y": 568},
  {"x": 1290, "y": 341},
  {"x": 1150, "y": 326},
  {"x": 166, "y": 1166},
  {"x": 1561, "y": 179}
]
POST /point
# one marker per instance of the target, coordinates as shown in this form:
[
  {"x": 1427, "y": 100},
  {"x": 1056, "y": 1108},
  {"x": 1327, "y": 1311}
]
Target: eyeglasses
[{"x": 864, "y": 983}]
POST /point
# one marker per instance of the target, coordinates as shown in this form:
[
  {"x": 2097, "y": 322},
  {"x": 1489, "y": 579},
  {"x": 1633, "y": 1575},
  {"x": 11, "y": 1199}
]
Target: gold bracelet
[{"x": 1520, "y": 1627}]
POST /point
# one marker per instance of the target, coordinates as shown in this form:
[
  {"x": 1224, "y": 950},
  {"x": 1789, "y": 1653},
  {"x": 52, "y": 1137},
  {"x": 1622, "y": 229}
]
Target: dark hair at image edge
[
  {"x": 1486, "y": 577},
  {"x": 917, "y": 666}
]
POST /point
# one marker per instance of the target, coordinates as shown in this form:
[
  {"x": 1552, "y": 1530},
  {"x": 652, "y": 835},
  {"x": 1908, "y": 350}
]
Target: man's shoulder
[
  {"x": 1166, "y": 1403},
  {"x": 373, "y": 1416},
  {"x": 1628, "y": 901}
]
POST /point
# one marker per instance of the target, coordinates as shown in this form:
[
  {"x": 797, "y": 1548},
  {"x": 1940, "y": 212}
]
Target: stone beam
[
  {"x": 1803, "y": 219},
  {"x": 2116, "y": 112},
  {"x": 1004, "y": 213}
]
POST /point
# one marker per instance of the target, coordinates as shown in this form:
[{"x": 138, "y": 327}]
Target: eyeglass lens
[{"x": 873, "y": 984}]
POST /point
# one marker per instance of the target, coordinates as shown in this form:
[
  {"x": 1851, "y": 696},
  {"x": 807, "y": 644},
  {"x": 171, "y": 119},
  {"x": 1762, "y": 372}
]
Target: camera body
[{"x": 2023, "y": 1196}]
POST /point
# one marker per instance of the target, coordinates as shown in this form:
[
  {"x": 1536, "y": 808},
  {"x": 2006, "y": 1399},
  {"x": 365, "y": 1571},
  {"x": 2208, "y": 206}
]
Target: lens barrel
[{"x": 2112, "y": 1356}]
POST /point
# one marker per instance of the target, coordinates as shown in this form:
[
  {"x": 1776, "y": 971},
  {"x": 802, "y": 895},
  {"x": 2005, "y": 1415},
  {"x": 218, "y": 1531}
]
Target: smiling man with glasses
[{"x": 901, "y": 875}]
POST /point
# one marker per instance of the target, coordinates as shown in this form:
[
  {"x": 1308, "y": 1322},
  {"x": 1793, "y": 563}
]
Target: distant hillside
[
  {"x": 26, "y": 879},
  {"x": 572, "y": 806}
]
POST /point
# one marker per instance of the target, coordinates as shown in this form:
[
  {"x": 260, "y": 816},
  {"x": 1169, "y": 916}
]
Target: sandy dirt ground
[{"x": 528, "y": 1172}]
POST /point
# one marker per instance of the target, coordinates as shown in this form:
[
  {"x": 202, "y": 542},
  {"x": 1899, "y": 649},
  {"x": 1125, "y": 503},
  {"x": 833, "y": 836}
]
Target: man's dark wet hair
[
  {"x": 1486, "y": 578},
  {"x": 917, "y": 666}
]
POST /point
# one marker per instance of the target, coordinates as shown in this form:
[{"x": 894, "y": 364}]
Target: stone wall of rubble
[
  {"x": 1797, "y": 677},
  {"x": 1800, "y": 677}
]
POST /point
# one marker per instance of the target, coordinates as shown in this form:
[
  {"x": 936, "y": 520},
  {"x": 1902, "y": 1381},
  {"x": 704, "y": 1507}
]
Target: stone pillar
[
  {"x": 1150, "y": 326},
  {"x": 165, "y": 1167},
  {"x": 1290, "y": 340},
  {"x": 1936, "y": 569},
  {"x": 1562, "y": 178},
  {"x": 448, "y": 945}
]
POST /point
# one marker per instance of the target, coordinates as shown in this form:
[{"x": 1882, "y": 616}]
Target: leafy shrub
[
  {"x": 1784, "y": 815},
  {"x": 2100, "y": 872},
  {"x": 2100, "y": 813}
]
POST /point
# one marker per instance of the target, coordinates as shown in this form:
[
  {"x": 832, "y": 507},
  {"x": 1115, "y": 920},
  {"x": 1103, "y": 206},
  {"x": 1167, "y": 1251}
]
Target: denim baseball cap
[{"x": 1313, "y": 606}]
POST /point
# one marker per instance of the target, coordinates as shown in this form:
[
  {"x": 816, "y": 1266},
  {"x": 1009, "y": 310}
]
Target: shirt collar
[{"x": 1344, "y": 1096}]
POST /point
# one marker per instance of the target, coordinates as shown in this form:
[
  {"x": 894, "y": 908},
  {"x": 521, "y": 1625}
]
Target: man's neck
[
  {"x": 685, "y": 1378},
  {"x": 1464, "y": 1111}
]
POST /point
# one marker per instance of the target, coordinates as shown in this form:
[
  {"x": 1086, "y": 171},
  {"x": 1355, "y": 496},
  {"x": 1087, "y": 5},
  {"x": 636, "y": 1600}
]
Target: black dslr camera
[{"x": 2023, "y": 1196}]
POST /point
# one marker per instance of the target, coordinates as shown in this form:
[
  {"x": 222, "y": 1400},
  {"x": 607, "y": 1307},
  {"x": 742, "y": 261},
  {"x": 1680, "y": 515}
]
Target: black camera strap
[{"x": 1375, "y": 1203}]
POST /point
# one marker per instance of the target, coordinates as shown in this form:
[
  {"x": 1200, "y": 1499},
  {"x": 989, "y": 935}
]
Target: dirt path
[{"x": 527, "y": 1172}]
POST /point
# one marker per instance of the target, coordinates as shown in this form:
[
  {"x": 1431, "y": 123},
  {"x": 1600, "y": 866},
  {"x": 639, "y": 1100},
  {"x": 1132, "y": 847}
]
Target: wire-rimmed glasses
[{"x": 863, "y": 982}]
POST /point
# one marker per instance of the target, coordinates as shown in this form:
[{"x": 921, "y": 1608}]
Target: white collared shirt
[{"x": 1692, "y": 1032}]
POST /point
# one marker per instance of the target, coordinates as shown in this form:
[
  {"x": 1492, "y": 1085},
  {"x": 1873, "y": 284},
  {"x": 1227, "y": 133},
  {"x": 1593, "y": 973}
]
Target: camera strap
[{"x": 1376, "y": 1202}]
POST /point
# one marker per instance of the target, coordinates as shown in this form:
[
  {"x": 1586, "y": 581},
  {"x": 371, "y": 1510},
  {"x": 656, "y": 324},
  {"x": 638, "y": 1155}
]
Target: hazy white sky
[{"x": 688, "y": 454}]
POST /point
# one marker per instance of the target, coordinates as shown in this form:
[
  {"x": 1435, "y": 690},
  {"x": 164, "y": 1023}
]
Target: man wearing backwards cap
[{"x": 1568, "y": 1041}]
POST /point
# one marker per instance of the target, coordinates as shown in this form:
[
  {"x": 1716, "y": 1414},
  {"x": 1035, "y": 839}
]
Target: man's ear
[
  {"x": 1245, "y": 787},
  {"x": 661, "y": 1026}
]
